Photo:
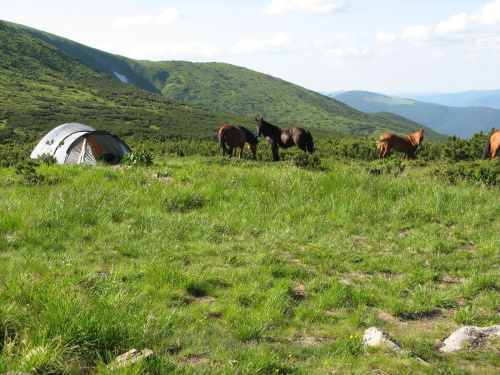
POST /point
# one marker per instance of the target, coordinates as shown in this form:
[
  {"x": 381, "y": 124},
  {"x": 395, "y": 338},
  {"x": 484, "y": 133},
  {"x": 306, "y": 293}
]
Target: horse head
[
  {"x": 251, "y": 139},
  {"x": 418, "y": 136},
  {"x": 253, "y": 149},
  {"x": 258, "y": 125}
]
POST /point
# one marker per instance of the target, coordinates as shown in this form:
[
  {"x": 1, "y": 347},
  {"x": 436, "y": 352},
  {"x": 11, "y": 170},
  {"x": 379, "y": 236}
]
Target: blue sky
[{"x": 386, "y": 46}]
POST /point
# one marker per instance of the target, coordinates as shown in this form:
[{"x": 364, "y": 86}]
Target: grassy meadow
[{"x": 226, "y": 266}]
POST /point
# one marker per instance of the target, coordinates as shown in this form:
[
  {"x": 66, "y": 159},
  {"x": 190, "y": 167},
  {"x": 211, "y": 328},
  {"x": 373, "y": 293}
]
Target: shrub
[
  {"x": 140, "y": 157},
  {"x": 487, "y": 172}
]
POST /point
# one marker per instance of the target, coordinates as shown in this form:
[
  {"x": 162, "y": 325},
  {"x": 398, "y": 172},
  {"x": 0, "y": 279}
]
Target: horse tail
[
  {"x": 222, "y": 140},
  {"x": 381, "y": 143},
  {"x": 309, "y": 142},
  {"x": 487, "y": 148}
]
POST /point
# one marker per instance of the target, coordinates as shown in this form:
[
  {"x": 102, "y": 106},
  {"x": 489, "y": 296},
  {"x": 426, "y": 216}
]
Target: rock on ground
[{"x": 469, "y": 336}]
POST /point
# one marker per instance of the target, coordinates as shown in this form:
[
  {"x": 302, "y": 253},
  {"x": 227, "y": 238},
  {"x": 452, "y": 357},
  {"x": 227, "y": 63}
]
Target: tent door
[{"x": 86, "y": 156}]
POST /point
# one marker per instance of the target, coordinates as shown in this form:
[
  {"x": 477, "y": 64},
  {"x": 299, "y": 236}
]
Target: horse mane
[
  {"x": 251, "y": 138},
  {"x": 413, "y": 139},
  {"x": 268, "y": 127}
]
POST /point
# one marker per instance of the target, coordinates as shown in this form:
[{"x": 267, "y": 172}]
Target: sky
[{"x": 384, "y": 46}]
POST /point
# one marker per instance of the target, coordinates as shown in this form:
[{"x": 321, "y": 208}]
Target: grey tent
[{"x": 75, "y": 143}]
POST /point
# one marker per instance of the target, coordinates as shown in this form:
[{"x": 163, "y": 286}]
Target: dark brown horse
[
  {"x": 234, "y": 137},
  {"x": 407, "y": 144},
  {"x": 492, "y": 144},
  {"x": 284, "y": 138}
]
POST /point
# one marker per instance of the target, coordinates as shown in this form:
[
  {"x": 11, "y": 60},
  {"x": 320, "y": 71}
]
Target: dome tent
[{"x": 74, "y": 143}]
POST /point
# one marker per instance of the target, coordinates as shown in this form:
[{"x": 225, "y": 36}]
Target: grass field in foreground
[{"x": 242, "y": 267}]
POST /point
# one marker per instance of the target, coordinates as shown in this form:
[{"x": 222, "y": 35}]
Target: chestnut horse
[
  {"x": 492, "y": 144},
  {"x": 407, "y": 144},
  {"x": 284, "y": 137},
  {"x": 234, "y": 137}
]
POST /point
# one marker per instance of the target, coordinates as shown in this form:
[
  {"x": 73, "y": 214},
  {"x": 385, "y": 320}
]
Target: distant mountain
[
  {"x": 332, "y": 93},
  {"x": 235, "y": 90},
  {"x": 461, "y": 122},
  {"x": 480, "y": 98}
]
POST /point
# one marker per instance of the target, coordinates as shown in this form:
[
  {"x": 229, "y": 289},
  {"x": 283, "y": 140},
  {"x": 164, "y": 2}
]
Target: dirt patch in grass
[{"x": 302, "y": 338}]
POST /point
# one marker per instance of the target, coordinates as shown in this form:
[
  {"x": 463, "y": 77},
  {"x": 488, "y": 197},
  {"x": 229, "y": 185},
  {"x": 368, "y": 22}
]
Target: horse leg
[
  {"x": 309, "y": 143},
  {"x": 384, "y": 150},
  {"x": 300, "y": 143},
  {"x": 241, "y": 151},
  {"x": 275, "y": 154},
  {"x": 494, "y": 152}
]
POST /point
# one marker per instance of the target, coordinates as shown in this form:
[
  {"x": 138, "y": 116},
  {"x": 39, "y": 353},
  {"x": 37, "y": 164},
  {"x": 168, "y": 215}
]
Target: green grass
[{"x": 239, "y": 266}]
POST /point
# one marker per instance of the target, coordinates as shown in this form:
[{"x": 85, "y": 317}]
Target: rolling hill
[
  {"x": 204, "y": 94},
  {"x": 461, "y": 122}
]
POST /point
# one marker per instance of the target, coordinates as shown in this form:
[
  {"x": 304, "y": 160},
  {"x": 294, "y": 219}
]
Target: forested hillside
[
  {"x": 43, "y": 87},
  {"x": 237, "y": 90}
]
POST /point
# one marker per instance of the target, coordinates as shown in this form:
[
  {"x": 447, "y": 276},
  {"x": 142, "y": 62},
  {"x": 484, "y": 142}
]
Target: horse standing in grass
[
  {"x": 407, "y": 144},
  {"x": 492, "y": 144},
  {"x": 234, "y": 137},
  {"x": 284, "y": 137}
]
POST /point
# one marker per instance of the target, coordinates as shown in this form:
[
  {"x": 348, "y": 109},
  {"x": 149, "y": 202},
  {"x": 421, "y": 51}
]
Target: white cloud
[
  {"x": 328, "y": 41},
  {"x": 342, "y": 52},
  {"x": 133, "y": 21},
  {"x": 417, "y": 34},
  {"x": 489, "y": 14},
  {"x": 459, "y": 26},
  {"x": 458, "y": 23},
  {"x": 167, "y": 17},
  {"x": 384, "y": 37},
  {"x": 174, "y": 51},
  {"x": 281, "y": 42},
  {"x": 304, "y": 6},
  {"x": 489, "y": 43}
]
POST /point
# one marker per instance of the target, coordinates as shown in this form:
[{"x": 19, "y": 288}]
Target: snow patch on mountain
[{"x": 121, "y": 78}]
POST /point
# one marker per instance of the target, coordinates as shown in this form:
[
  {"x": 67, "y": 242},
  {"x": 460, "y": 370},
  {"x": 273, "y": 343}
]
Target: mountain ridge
[
  {"x": 462, "y": 122},
  {"x": 470, "y": 98}
]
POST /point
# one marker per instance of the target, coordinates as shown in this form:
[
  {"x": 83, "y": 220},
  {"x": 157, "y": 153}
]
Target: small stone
[{"x": 130, "y": 357}]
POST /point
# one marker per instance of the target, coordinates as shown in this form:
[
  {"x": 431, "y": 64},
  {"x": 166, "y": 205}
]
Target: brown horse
[
  {"x": 492, "y": 144},
  {"x": 407, "y": 144},
  {"x": 284, "y": 138},
  {"x": 234, "y": 137}
]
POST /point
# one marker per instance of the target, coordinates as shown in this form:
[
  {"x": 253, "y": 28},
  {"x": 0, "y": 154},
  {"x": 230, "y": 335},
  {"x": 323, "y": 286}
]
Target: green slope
[
  {"x": 233, "y": 89},
  {"x": 461, "y": 122},
  {"x": 42, "y": 87}
]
